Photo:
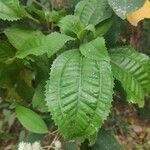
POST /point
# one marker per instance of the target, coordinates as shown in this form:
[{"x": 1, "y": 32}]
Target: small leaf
[
  {"x": 71, "y": 25},
  {"x": 92, "y": 11},
  {"x": 11, "y": 10},
  {"x": 124, "y": 7},
  {"x": 30, "y": 120},
  {"x": 130, "y": 68},
  {"x": 140, "y": 14},
  {"x": 55, "y": 41},
  {"x": 95, "y": 50}
]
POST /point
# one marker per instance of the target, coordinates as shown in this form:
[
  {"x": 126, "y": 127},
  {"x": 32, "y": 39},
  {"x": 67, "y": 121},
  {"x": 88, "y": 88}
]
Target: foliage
[{"x": 67, "y": 65}]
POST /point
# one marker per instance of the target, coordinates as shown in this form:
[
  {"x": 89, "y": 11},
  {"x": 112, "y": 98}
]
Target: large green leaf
[
  {"x": 11, "y": 10},
  {"x": 93, "y": 11},
  {"x": 95, "y": 49},
  {"x": 30, "y": 120},
  {"x": 79, "y": 94},
  {"x": 123, "y": 7},
  {"x": 130, "y": 68}
]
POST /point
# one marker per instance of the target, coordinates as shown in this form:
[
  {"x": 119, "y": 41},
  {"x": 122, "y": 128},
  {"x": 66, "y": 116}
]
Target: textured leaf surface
[
  {"x": 71, "y": 25},
  {"x": 79, "y": 94},
  {"x": 123, "y": 7},
  {"x": 140, "y": 14},
  {"x": 95, "y": 49},
  {"x": 129, "y": 67},
  {"x": 93, "y": 11},
  {"x": 10, "y": 10},
  {"x": 30, "y": 120}
]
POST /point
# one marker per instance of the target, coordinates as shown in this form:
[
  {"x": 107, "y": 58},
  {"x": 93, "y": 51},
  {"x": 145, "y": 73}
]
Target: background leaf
[
  {"x": 140, "y": 14},
  {"x": 11, "y": 10},
  {"x": 30, "y": 120},
  {"x": 106, "y": 141},
  {"x": 123, "y": 7}
]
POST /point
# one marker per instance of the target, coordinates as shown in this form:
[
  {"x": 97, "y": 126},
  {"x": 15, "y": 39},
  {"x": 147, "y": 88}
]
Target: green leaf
[
  {"x": 49, "y": 44},
  {"x": 103, "y": 27},
  {"x": 33, "y": 46},
  {"x": 71, "y": 25},
  {"x": 38, "y": 101},
  {"x": 6, "y": 51},
  {"x": 55, "y": 41},
  {"x": 123, "y": 7},
  {"x": 18, "y": 36},
  {"x": 106, "y": 141},
  {"x": 95, "y": 50},
  {"x": 129, "y": 67},
  {"x": 79, "y": 94},
  {"x": 93, "y": 11},
  {"x": 30, "y": 42},
  {"x": 11, "y": 10},
  {"x": 30, "y": 120}
]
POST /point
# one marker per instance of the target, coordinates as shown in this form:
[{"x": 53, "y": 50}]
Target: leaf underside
[
  {"x": 130, "y": 68},
  {"x": 79, "y": 94}
]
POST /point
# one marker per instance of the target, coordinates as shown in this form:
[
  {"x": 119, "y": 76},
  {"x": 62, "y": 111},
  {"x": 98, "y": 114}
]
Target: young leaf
[
  {"x": 123, "y": 7},
  {"x": 55, "y": 41},
  {"x": 140, "y": 14},
  {"x": 79, "y": 94},
  {"x": 11, "y": 10},
  {"x": 71, "y": 25},
  {"x": 92, "y": 11},
  {"x": 129, "y": 67},
  {"x": 30, "y": 120},
  {"x": 95, "y": 50}
]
